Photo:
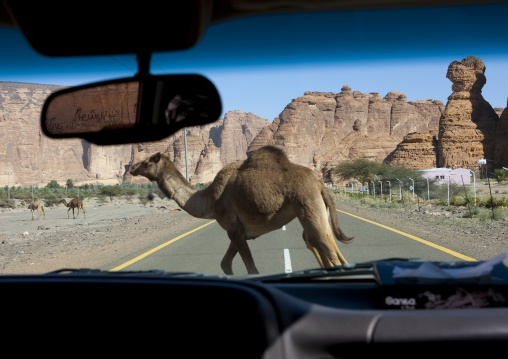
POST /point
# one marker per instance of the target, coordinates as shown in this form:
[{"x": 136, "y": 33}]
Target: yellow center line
[
  {"x": 449, "y": 251},
  {"x": 146, "y": 254}
]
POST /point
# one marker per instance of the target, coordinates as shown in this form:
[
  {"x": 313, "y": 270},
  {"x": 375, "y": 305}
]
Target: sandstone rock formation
[
  {"x": 469, "y": 128},
  {"x": 28, "y": 157},
  {"x": 317, "y": 130},
  {"x": 321, "y": 129},
  {"x": 209, "y": 147},
  {"x": 416, "y": 151},
  {"x": 32, "y": 158},
  {"x": 501, "y": 141},
  {"x": 468, "y": 125}
]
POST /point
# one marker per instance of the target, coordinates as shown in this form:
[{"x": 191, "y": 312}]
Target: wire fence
[{"x": 403, "y": 192}]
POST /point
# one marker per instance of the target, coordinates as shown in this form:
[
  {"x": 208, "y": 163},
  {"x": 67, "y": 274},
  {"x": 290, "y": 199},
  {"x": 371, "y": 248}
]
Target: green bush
[
  {"x": 500, "y": 175},
  {"x": 51, "y": 200},
  {"x": 111, "y": 191},
  {"x": 473, "y": 212},
  {"x": 457, "y": 201},
  {"x": 53, "y": 185},
  {"x": 7, "y": 203}
]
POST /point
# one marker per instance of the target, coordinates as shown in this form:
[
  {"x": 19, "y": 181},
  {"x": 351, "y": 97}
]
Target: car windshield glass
[{"x": 391, "y": 121}]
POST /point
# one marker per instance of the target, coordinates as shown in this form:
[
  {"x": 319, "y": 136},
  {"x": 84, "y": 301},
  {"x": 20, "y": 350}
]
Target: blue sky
[{"x": 368, "y": 52}]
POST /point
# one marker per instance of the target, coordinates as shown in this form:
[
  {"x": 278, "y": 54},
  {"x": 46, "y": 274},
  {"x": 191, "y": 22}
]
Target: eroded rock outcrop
[
  {"x": 469, "y": 128},
  {"x": 416, "y": 151},
  {"x": 339, "y": 126},
  {"x": 317, "y": 130},
  {"x": 28, "y": 157},
  {"x": 209, "y": 147},
  {"x": 468, "y": 125},
  {"x": 501, "y": 141}
]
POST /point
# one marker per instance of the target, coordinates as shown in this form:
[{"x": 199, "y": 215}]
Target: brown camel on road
[
  {"x": 36, "y": 206},
  {"x": 74, "y": 203},
  {"x": 254, "y": 197}
]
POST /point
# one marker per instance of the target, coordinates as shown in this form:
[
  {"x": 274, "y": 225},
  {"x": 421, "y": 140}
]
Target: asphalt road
[{"x": 201, "y": 248}]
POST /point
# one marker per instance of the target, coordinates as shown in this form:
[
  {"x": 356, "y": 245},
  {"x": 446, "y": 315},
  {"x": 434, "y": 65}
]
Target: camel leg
[
  {"x": 84, "y": 213},
  {"x": 238, "y": 240},
  {"x": 33, "y": 215},
  {"x": 68, "y": 212},
  {"x": 312, "y": 249},
  {"x": 316, "y": 231},
  {"x": 42, "y": 208},
  {"x": 333, "y": 243},
  {"x": 227, "y": 262}
]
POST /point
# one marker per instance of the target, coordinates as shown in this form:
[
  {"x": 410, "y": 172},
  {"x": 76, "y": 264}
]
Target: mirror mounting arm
[{"x": 143, "y": 63}]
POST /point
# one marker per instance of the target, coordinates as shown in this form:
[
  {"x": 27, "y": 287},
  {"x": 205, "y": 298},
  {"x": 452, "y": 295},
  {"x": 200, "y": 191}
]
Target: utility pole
[
  {"x": 186, "y": 160},
  {"x": 474, "y": 186},
  {"x": 413, "y": 188},
  {"x": 8, "y": 184}
]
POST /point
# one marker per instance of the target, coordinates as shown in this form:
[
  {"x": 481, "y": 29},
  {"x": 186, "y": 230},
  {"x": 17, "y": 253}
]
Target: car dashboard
[{"x": 196, "y": 316}]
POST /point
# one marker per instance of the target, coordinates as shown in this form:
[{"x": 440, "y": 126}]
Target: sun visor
[{"x": 57, "y": 28}]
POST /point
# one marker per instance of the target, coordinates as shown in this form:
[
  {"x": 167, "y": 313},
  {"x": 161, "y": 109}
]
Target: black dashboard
[{"x": 196, "y": 317}]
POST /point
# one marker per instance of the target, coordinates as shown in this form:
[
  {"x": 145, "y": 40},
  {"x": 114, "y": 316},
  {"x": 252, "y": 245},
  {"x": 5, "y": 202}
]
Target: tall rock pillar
[{"x": 468, "y": 124}]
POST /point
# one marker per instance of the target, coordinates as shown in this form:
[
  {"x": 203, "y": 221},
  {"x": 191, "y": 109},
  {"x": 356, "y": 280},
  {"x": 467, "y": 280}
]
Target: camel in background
[
  {"x": 36, "y": 206},
  {"x": 254, "y": 197},
  {"x": 74, "y": 203}
]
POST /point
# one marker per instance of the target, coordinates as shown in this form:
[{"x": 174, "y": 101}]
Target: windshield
[{"x": 398, "y": 114}]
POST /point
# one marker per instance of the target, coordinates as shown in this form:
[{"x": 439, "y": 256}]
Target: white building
[{"x": 441, "y": 175}]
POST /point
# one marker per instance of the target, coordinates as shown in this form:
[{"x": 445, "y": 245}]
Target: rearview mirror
[{"x": 131, "y": 110}]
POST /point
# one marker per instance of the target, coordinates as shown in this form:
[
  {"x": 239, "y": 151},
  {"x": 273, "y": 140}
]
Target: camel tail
[{"x": 327, "y": 197}]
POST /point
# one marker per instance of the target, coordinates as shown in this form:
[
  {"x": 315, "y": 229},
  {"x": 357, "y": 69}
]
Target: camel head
[
  {"x": 63, "y": 201},
  {"x": 153, "y": 166}
]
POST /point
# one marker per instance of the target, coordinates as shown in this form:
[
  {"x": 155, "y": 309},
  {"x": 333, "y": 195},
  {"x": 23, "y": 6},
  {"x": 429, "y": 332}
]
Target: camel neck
[{"x": 192, "y": 201}]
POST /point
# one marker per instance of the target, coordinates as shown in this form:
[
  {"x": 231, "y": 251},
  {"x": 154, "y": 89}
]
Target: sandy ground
[
  {"x": 110, "y": 231},
  {"x": 115, "y": 229}
]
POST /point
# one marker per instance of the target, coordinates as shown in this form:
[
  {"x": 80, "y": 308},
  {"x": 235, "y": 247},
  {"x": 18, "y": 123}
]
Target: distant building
[{"x": 440, "y": 175}]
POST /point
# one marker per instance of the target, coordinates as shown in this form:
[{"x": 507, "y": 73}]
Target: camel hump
[
  {"x": 267, "y": 155},
  {"x": 273, "y": 150}
]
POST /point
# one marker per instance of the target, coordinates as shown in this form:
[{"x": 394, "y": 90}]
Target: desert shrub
[
  {"x": 441, "y": 202},
  {"x": 69, "y": 184},
  {"x": 111, "y": 191},
  {"x": 53, "y": 184},
  {"x": 487, "y": 215},
  {"x": 472, "y": 213},
  {"x": 458, "y": 200},
  {"x": 143, "y": 199},
  {"x": 381, "y": 204},
  {"x": 101, "y": 198},
  {"x": 500, "y": 175},
  {"x": 51, "y": 200},
  {"x": 502, "y": 202},
  {"x": 7, "y": 203}
]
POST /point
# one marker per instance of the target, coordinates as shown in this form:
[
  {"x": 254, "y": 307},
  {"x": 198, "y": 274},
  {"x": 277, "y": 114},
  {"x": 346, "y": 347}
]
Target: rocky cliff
[
  {"x": 501, "y": 141},
  {"x": 416, "y": 151},
  {"x": 321, "y": 129},
  {"x": 28, "y": 157},
  {"x": 317, "y": 130},
  {"x": 208, "y": 147}
]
